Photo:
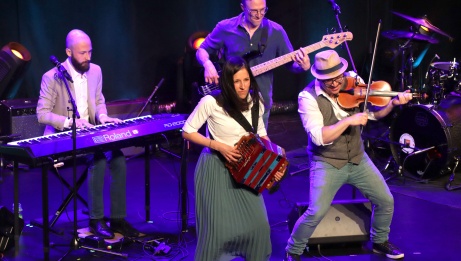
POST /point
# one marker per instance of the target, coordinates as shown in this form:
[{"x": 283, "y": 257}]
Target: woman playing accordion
[{"x": 231, "y": 220}]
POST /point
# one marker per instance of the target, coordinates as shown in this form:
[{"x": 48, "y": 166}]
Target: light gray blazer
[{"x": 54, "y": 100}]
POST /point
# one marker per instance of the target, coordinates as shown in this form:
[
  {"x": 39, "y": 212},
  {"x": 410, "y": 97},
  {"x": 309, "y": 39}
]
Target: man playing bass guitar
[{"x": 251, "y": 31}]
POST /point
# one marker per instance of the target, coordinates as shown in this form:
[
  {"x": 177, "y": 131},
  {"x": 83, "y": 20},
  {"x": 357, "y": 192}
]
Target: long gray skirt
[{"x": 231, "y": 221}]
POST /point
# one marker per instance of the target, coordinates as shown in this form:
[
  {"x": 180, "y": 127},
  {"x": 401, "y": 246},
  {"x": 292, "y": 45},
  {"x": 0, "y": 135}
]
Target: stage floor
[{"x": 424, "y": 225}]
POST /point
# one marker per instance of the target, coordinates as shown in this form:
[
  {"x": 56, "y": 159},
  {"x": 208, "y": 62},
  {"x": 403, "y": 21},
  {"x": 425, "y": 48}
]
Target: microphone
[
  {"x": 335, "y": 6},
  {"x": 60, "y": 68}
]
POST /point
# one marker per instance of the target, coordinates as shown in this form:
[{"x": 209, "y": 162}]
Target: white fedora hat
[{"x": 328, "y": 65}]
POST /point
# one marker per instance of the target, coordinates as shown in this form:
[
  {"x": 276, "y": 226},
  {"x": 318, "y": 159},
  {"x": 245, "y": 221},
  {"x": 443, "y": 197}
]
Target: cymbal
[
  {"x": 423, "y": 22},
  {"x": 445, "y": 66},
  {"x": 394, "y": 34}
]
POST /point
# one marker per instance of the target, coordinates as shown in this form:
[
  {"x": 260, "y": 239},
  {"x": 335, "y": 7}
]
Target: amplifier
[
  {"x": 127, "y": 109},
  {"x": 20, "y": 117},
  {"x": 7, "y": 229}
]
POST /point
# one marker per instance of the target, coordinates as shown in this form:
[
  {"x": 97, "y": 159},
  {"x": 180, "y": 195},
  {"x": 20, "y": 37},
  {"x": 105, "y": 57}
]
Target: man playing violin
[{"x": 337, "y": 156}]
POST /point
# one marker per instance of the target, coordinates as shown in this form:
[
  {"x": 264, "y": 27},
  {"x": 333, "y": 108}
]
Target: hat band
[{"x": 330, "y": 70}]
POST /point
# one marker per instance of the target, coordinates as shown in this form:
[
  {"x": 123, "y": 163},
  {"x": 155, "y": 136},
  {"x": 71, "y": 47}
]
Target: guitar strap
[
  {"x": 264, "y": 34},
  {"x": 238, "y": 117}
]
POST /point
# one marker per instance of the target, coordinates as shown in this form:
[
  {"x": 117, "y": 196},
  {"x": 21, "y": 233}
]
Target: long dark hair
[{"x": 228, "y": 98}]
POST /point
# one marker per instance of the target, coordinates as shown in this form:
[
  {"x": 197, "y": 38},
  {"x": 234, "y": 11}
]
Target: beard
[{"x": 80, "y": 67}]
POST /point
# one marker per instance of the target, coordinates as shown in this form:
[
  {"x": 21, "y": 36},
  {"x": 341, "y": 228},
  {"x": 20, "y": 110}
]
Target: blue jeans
[
  {"x": 96, "y": 171},
  {"x": 325, "y": 181}
]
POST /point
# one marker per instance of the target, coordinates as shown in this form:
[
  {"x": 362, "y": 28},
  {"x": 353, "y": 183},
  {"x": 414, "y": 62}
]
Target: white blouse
[{"x": 221, "y": 126}]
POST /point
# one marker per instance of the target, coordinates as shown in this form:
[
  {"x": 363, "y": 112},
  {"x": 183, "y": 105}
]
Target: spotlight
[
  {"x": 195, "y": 40},
  {"x": 13, "y": 60}
]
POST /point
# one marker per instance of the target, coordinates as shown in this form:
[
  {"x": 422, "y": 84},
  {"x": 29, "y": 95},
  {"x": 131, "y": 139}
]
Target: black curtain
[{"x": 137, "y": 42}]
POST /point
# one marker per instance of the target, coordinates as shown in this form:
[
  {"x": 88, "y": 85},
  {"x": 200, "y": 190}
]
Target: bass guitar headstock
[{"x": 333, "y": 40}]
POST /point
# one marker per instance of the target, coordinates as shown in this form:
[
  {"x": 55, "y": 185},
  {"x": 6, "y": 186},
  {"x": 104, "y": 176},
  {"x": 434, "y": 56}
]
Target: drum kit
[{"x": 425, "y": 137}]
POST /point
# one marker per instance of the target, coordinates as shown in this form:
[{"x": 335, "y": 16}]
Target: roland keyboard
[{"x": 132, "y": 132}]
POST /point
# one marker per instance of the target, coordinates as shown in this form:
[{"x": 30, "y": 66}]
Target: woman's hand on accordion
[
  {"x": 231, "y": 154},
  {"x": 279, "y": 175}
]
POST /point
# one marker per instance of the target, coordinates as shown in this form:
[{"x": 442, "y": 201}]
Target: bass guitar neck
[{"x": 330, "y": 40}]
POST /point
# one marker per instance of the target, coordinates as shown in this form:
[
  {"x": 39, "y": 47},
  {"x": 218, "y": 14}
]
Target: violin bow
[
  {"x": 371, "y": 69},
  {"x": 372, "y": 66}
]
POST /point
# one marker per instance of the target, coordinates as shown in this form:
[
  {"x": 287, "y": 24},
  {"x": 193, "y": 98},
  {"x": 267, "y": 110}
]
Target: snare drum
[{"x": 426, "y": 138}]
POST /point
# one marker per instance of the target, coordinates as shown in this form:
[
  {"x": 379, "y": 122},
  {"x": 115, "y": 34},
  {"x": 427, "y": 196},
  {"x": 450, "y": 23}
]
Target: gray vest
[{"x": 348, "y": 147}]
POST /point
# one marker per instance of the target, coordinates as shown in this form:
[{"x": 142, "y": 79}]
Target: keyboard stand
[
  {"x": 71, "y": 195},
  {"x": 66, "y": 201}
]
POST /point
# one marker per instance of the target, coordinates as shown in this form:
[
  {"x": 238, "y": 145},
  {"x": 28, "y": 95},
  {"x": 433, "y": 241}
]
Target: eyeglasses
[
  {"x": 254, "y": 12},
  {"x": 338, "y": 79}
]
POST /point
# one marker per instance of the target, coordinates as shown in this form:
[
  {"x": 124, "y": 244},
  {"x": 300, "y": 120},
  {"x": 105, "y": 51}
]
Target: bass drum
[{"x": 426, "y": 139}]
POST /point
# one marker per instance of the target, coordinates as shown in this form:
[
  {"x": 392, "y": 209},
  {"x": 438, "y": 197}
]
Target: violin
[{"x": 380, "y": 93}]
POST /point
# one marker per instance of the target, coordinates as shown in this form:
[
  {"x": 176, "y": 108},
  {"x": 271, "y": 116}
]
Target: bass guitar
[{"x": 330, "y": 40}]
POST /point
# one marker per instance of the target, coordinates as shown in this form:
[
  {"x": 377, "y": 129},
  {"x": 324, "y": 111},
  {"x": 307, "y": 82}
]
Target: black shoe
[
  {"x": 292, "y": 257},
  {"x": 121, "y": 226},
  {"x": 388, "y": 249},
  {"x": 99, "y": 228}
]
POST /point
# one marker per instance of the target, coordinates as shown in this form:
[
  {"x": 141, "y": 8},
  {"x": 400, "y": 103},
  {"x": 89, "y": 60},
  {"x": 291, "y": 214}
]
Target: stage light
[
  {"x": 197, "y": 43},
  {"x": 13, "y": 60},
  {"x": 195, "y": 40},
  {"x": 423, "y": 30}
]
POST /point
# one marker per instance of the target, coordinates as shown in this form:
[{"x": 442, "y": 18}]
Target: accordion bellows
[{"x": 260, "y": 161}]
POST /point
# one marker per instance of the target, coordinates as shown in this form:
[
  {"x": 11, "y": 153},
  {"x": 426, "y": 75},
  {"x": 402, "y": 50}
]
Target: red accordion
[{"x": 259, "y": 162}]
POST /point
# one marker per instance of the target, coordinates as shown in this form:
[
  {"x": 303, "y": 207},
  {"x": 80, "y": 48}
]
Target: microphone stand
[
  {"x": 149, "y": 100},
  {"x": 337, "y": 11},
  {"x": 75, "y": 115}
]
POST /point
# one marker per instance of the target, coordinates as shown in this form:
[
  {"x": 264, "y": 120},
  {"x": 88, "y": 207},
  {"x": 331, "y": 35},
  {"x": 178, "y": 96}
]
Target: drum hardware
[
  {"x": 397, "y": 168},
  {"x": 422, "y": 27},
  {"x": 458, "y": 88},
  {"x": 375, "y": 146},
  {"x": 405, "y": 51},
  {"x": 406, "y": 65},
  {"x": 370, "y": 144},
  {"x": 449, "y": 186},
  {"x": 388, "y": 163},
  {"x": 442, "y": 80},
  {"x": 437, "y": 95},
  {"x": 423, "y": 23},
  {"x": 396, "y": 34},
  {"x": 400, "y": 171}
]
